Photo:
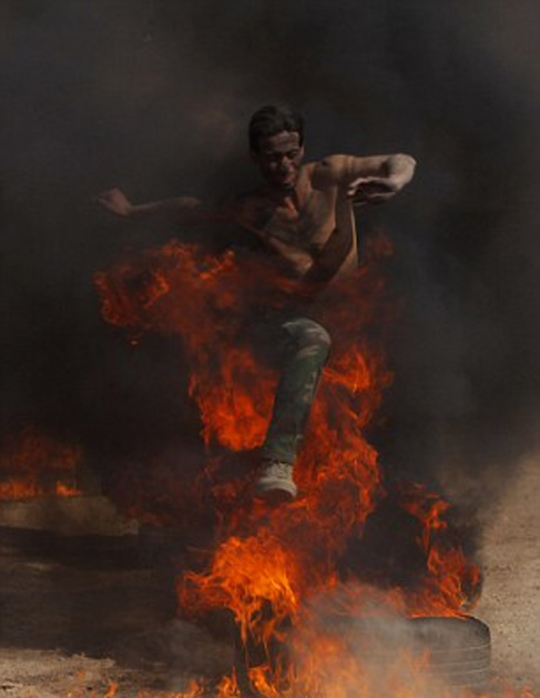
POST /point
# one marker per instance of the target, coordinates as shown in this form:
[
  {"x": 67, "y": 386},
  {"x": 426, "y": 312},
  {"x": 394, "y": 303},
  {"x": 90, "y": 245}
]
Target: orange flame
[
  {"x": 112, "y": 690},
  {"x": 450, "y": 577},
  {"x": 267, "y": 566},
  {"x": 35, "y": 465}
]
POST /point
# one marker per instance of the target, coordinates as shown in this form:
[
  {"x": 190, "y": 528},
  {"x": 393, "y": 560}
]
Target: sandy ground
[
  {"x": 510, "y": 602},
  {"x": 80, "y": 617}
]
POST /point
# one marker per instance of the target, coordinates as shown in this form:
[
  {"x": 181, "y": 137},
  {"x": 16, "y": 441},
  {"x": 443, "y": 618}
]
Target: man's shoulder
[
  {"x": 330, "y": 170},
  {"x": 333, "y": 161}
]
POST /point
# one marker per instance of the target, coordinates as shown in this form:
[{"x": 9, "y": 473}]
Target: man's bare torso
[
  {"x": 311, "y": 228},
  {"x": 303, "y": 214}
]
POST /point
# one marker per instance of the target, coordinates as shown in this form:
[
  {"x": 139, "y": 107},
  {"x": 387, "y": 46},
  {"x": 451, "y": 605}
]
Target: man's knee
[{"x": 309, "y": 335}]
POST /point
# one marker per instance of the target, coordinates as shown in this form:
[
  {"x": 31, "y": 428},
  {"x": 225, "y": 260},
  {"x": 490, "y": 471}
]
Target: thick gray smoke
[{"x": 154, "y": 95}]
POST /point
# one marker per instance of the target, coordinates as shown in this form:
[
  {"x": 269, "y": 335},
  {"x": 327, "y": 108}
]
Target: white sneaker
[{"x": 275, "y": 482}]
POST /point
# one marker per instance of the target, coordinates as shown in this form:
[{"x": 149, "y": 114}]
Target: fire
[
  {"x": 450, "y": 578},
  {"x": 226, "y": 688},
  {"x": 248, "y": 574},
  {"x": 269, "y": 567},
  {"x": 338, "y": 676},
  {"x": 33, "y": 464},
  {"x": 112, "y": 690}
]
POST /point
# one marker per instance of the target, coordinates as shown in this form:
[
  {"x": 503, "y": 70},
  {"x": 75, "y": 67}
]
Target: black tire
[{"x": 460, "y": 649}]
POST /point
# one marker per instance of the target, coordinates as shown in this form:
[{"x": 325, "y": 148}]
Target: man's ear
[{"x": 254, "y": 155}]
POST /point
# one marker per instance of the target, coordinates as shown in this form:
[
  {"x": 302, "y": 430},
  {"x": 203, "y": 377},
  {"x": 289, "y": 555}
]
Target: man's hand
[
  {"x": 371, "y": 190},
  {"x": 115, "y": 201}
]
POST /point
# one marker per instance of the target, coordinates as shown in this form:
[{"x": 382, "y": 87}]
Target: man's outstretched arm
[
  {"x": 183, "y": 210},
  {"x": 372, "y": 179}
]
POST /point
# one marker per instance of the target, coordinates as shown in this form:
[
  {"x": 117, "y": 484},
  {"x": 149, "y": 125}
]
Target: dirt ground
[
  {"x": 510, "y": 601},
  {"x": 90, "y": 618}
]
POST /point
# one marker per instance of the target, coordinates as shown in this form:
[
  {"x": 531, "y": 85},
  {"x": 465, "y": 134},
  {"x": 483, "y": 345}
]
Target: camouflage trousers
[{"x": 304, "y": 351}]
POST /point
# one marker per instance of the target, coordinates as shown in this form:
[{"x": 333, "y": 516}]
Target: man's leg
[{"x": 307, "y": 346}]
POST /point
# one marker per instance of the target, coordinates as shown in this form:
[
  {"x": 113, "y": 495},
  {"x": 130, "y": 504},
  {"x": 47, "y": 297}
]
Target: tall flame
[{"x": 268, "y": 565}]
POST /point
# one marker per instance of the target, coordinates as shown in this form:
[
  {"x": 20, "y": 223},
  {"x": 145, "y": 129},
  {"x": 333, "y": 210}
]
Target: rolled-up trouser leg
[{"x": 306, "y": 351}]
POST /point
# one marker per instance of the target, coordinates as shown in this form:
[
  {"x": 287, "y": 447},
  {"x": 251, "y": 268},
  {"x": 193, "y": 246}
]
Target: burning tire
[{"x": 453, "y": 651}]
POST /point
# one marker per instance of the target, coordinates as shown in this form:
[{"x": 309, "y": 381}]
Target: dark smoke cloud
[{"x": 154, "y": 95}]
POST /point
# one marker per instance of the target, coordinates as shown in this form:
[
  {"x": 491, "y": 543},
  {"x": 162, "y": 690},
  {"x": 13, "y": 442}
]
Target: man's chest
[{"x": 300, "y": 227}]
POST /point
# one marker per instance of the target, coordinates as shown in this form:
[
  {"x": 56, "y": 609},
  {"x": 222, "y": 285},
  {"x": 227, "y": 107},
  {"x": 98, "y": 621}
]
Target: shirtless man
[{"x": 303, "y": 214}]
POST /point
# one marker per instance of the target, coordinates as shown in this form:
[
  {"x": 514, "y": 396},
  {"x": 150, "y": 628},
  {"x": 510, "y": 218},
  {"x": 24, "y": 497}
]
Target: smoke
[
  {"x": 369, "y": 648},
  {"x": 154, "y": 95},
  {"x": 472, "y": 384}
]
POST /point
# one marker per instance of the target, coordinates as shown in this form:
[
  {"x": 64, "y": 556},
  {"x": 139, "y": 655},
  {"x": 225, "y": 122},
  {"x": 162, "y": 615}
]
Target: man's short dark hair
[{"x": 270, "y": 120}]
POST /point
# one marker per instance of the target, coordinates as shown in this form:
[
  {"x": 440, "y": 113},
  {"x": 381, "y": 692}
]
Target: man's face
[{"x": 279, "y": 158}]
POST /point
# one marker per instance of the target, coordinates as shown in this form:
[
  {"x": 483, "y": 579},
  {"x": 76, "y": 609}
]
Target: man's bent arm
[{"x": 378, "y": 177}]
